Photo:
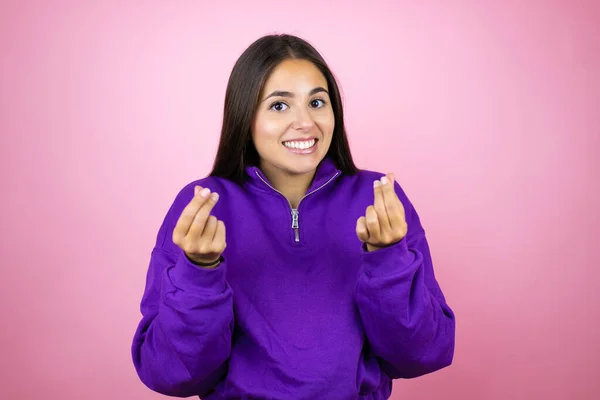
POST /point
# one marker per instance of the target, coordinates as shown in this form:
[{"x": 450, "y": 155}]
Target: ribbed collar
[{"x": 326, "y": 171}]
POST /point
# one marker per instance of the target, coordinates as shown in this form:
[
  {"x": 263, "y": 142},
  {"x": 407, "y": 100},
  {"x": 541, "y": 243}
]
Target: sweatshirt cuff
[
  {"x": 387, "y": 260},
  {"x": 193, "y": 278}
]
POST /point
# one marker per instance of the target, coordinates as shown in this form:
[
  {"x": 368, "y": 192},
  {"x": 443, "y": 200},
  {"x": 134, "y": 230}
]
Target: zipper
[
  {"x": 294, "y": 211},
  {"x": 295, "y": 225}
]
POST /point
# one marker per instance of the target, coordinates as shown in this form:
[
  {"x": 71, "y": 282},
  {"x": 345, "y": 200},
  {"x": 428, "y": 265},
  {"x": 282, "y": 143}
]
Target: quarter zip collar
[{"x": 325, "y": 172}]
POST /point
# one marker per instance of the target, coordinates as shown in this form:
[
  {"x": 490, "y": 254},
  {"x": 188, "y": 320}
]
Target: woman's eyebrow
[{"x": 283, "y": 93}]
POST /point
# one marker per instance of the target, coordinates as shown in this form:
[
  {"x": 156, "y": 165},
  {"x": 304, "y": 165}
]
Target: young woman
[{"x": 323, "y": 286}]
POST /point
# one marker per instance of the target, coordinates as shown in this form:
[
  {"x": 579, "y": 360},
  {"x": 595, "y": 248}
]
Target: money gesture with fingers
[
  {"x": 384, "y": 222},
  {"x": 200, "y": 235}
]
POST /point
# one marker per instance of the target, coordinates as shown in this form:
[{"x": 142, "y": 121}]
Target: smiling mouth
[{"x": 300, "y": 144}]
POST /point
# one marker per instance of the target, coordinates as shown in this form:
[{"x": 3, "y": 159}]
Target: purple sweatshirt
[{"x": 297, "y": 309}]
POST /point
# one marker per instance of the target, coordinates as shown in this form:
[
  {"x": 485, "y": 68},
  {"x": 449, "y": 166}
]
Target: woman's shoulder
[
  {"x": 362, "y": 182},
  {"x": 215, "y": 184},
  {"x": 184, "y": 196},
  {"x": 366, "y": 177},
  {"x": 367, "y": 174}
]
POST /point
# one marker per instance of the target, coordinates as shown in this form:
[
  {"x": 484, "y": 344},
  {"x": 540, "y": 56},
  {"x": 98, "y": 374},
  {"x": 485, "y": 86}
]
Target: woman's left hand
[{"x": 384, "y": 223}]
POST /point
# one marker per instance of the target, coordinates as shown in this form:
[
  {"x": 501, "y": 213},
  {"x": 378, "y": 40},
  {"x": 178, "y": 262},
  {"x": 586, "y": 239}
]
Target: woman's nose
[{"x": 303, "y": 119}]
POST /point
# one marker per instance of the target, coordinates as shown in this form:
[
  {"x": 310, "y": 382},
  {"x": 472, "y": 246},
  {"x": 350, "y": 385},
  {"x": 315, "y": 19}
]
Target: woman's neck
[{"x": 293, "y": 187}]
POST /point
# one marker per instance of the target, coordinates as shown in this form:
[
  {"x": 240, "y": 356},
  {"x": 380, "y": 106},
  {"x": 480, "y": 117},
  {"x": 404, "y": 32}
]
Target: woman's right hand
[{"x": 200, "y": 235}]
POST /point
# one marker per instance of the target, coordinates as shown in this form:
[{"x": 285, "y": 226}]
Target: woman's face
[{"x": 293, "y": 125}]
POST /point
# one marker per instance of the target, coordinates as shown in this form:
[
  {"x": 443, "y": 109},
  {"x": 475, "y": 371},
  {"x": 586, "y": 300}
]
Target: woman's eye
[
  {"x": 278, "y": 106},
  {"x": 315, "y": 103}
]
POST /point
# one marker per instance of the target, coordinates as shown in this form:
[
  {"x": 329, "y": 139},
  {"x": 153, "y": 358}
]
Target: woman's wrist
[{"x": 212, "y": 264}]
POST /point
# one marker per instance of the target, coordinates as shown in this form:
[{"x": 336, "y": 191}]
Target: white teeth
[{"x": 300, "y": 145}]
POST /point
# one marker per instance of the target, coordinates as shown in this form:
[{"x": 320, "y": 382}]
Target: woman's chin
[{"x": 304, "y": 165}]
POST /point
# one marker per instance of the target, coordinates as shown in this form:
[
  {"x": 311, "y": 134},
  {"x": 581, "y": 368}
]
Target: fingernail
[
  {"x": 215, "y": 196},
  {"x": 196, "y": 188},
  {"x": 376, "y": 183},
  {"x": 205, "y": 192},
  {"x": 384, "y": 180}
]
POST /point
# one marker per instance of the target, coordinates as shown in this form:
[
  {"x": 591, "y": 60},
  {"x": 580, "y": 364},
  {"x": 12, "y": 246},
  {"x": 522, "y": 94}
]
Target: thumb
[{"x": 361, "y": 229}]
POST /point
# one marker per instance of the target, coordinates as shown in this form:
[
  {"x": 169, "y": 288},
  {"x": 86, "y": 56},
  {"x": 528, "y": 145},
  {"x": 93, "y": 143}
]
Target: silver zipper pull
[{"x": 295, "y": 225}]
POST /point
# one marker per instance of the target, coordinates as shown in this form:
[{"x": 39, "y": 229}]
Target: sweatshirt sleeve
[
  {"x": 407, "y": 321},
  {"x": 183, "y": 341}
]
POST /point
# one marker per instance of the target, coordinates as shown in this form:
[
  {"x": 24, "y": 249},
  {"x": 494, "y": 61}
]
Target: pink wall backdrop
[{"x": 488, "y": 113}]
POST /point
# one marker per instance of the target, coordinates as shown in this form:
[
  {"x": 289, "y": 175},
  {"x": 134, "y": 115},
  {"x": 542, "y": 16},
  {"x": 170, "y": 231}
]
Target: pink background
[{"x": 487, "y": 113}]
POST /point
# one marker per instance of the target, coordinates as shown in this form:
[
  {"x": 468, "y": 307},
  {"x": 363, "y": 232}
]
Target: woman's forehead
[{"x": 295, "y": 75}]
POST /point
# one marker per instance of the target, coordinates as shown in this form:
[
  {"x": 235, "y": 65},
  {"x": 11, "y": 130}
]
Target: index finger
[
  {"x": 379, "y": 205},
  {"x": 199, "y": 223},
  {"x": 393, "y": 205},
  {"x": 189, "y": 213}
]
